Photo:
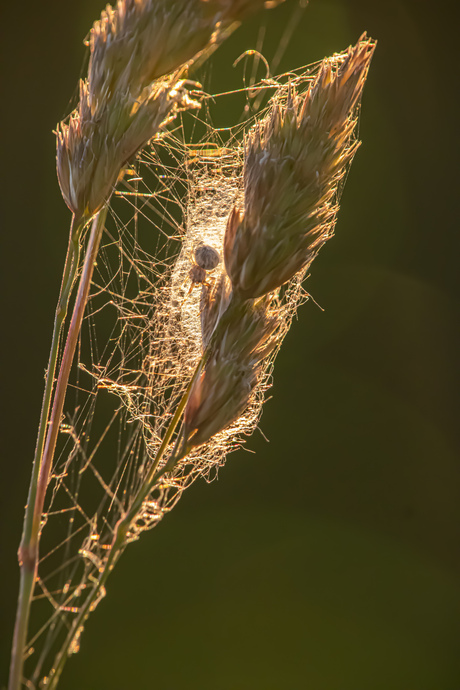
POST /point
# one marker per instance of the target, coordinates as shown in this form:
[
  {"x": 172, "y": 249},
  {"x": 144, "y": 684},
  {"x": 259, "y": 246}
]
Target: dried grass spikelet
[
  {"x": 93, "y": 149},
  {"x": 138, "y": 50},
  {"x": 244, "y": 337},
  {"x": 142, "y": 40},
  {"x": 295, "y": 160}
]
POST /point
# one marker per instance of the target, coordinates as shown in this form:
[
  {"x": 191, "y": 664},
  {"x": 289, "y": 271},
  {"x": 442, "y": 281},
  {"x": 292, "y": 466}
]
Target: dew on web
[{"x": 143, "y": 335}]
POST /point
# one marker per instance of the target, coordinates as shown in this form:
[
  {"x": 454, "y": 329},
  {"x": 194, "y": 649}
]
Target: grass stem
[
  {"x": 48, "y": 429},
  {"x": 27, "y": 553}
]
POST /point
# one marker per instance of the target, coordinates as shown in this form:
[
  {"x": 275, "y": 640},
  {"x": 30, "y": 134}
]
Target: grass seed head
[
  {"x": 142, "y": 40},
  {"x": 138, "y": 51},
  {"x": 295, "y": 160},
  {"x": 244, "y": 337},
  {"x": 92, "y": 150}
]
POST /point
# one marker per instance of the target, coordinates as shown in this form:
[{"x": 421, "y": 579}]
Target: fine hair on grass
[{"x": 188, "y": 248}]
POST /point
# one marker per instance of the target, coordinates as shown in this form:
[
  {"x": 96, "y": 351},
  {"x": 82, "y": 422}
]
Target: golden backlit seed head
[
  {"x": 295, "y": 160},
  {"x": 244, "y": 337},
  {"x": 92, "y": 151},
  {"x": 138, "y": 49}
]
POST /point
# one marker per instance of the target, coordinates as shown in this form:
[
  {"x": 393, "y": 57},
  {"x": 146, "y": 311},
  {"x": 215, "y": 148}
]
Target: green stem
[
  {"x": 26, "y": 556},
  {"x": 66, "y": 364},
  {"x": 29, "y": 547}
]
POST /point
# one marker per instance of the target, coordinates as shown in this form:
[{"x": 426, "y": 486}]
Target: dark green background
[{"x": 329, "y": 559}]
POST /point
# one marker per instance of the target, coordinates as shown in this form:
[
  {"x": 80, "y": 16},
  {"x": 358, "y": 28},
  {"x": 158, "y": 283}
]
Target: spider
[{"x": 206, "y": 259}]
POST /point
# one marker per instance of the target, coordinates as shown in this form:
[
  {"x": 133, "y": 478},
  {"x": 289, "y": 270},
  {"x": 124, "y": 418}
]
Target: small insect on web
[{"x": 206, "y": 259}]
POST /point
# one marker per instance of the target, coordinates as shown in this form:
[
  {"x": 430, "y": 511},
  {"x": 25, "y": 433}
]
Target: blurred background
[{"x": 327, "y": 558}]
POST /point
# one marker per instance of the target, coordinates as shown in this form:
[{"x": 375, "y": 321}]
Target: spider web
[{"x": 139, "y": 346}]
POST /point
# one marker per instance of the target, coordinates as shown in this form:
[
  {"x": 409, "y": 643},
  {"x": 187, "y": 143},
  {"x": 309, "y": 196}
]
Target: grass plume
[{"x": 295, "y": 160}]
